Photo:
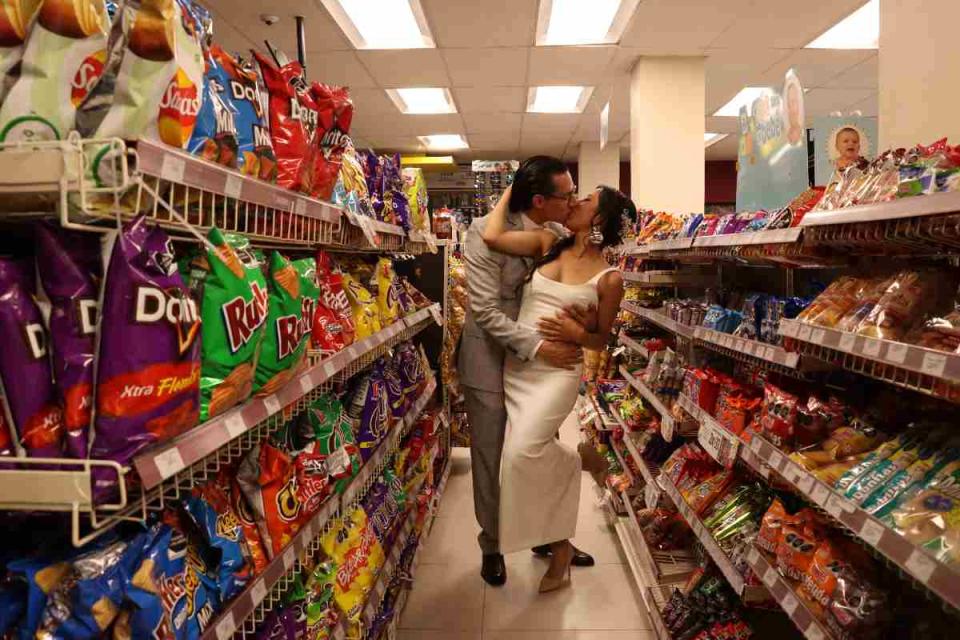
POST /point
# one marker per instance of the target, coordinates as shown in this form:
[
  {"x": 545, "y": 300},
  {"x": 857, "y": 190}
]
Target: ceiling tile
[
  {"x": 406, "y": 68},
  {"x": 860, "y": 76},
  {"x": 492, "y": 23},
  {"x": 374, "y": 101},
  {"x": 668, "y": 25},
  {"x": 493, "y": 141},
  {"x": 822, "y": 102},
  {"x": 508, "y": 123},
  {"x": 395, "y": 143},
  {"x": 541, "y": 149},
  {"x": 491, "y": 99},
  {"x": 550, "y": 122},
  {"x": 816, "y": 67},
  {"x": 322, "y": 33},
  {"x": 718, "y": 124},
  {"x": 569, "y": 65},
  {"x": 725, "y": 149},
  {"x": 729, "y": 70},
  {"x": 783, "y": 25},
  {"x": 373, "y": 124},
  {"x": 339, "y": 68},
  {"x": 487, "y": 67}
]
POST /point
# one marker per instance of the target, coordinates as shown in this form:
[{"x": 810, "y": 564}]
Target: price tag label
[
  {"x": 934, "y": 364},
  {"x": 233, "y": 186},
  {"x": 235, "y": 424},
  {"x": 752, "y": 556},
  {"x": 805, "y": 332},
  {"x": 820, "y": 494},
  {"x": 226, "y": 627},
  {"x": 776, "y": 460},
  {"x": 651, "y": 495},
  {"x": 289, "y": 557},
  {"x": 272, "y": 403},
  {"x": 872, "y": 531},
  {"x": 769, "y": 353},
  {"x": 666, "y": 428},
  {"x": 258, "y": 592},
  {"x": 719, "y": 443},
  {"x": 306, "y": 385},
  {"x": 172, "y": 168},
  {"x": 169, "y": 462},
  {"x": 789, "y": 603},
  {"x": 847, "y": 342},
  {"x": 770, "y": 577},
  {"x": 300, "y": 208},
  {"x": 329, "y": 369},
  {"x": 756, "y": 445},
  {"x": 805, "y": 483},
  {"x": 813, "y": 632},
  {"x": 871, "y": 347},
  {"x": 818, "y": 336},
  {"x": 897, "y": 352},
  {"x": 920, "y": 565},
  {"x": 435, "y": 312},
  {"x": 836, "y": 506}
]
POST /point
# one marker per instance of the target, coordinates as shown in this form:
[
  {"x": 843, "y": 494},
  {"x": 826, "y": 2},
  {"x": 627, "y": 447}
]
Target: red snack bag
[
  {"x": 820, "y": 579},
  {"x": 269, "y": 483},
  {"x": 771, "y": 526},
  {"x": 333, "y": 296},
  {"x": 799, "y": 541},
  {"x": 335, "y": 111},
  {"x": 779, "y": 416},
  {"x": 292, "y": 118}
]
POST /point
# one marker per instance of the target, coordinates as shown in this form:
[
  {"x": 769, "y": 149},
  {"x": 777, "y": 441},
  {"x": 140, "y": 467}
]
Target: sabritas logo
[
  {"x": 86, "y": 77},
  {"x": 242, "y": 318},
  {"x": 178, "y": 110}
]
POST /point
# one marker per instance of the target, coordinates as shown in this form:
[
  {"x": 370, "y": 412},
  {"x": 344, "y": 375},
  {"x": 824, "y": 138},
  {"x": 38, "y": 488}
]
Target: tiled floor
[{"x": 451, "y": 602}]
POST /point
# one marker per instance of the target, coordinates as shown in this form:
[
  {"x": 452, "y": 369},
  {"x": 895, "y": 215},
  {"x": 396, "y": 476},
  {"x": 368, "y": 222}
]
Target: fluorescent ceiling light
[
  {"x": 583, "y": 21},
  {"x": 382, "y": 24},
  {"x": 745, "y": 97},
  {"x": 558, "y": 99},
  {"x": 712, "y": 138},
  {"x": 859, "y": 30},
  {"x": 444, "y": 141},
  {"x": 423, "y": 100}
]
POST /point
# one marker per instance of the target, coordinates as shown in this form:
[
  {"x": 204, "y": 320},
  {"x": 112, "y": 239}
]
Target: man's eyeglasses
[{"x": 570, "y": 197}]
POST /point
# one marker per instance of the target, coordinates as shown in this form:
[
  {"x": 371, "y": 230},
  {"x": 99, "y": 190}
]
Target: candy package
[
  {"x": 227, "y": 281},
  {"x": 771, "y": 527},
  {"x": 283, "y": 347},
  {"x": 27, "y": 384},
  {"x": 148, "y": 371},
  {"x": 335, "y": 113},
  {"x": 799, "y": 539},
  {"x": 62, "y": 60}
]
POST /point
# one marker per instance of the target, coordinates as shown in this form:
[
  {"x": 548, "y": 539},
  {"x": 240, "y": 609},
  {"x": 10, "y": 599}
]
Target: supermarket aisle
[{"x": 451, "y": 602}]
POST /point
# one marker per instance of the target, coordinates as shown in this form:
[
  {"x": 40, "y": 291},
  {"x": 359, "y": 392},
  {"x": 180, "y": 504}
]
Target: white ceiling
[{"x": 486, "y": 55}]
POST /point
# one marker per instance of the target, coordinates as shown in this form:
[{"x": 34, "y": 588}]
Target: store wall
[
  {"x": 720, "y": 180},
  {"x": 919, "y": 67},
  {"x": 598, "y": 166}
]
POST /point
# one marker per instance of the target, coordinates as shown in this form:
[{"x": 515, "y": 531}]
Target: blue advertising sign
[{"x": 839, "y": 141}]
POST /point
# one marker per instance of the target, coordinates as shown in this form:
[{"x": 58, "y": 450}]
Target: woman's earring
[{"x": 596, "y": 235}]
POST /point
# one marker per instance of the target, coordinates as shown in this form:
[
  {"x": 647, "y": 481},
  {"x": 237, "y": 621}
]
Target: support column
[
  {"x": 598, "y": 167},
  {"x": 667, "y": 102},
  {"x": 919, "y": 67}
]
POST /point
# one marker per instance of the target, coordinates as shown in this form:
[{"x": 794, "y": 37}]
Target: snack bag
[
  {"x": 221, "y": 531},
  {"x": 366, "y": 315},
  {"x": 334, "y": 296},
  {"x": 332, "y": 136},
  {"x": 153, "y": 82},
  {"x": 930, "y": 517},
  {"x": 228, "y": 282},
  {"x": 369, "y": 405},
  {"x": 415, "y": 188},
  {"x": 269, "y": 482},
  {"x": 352, "y": 544},
  {"x": 25, "y": 380},
  {"x": 410, "y": 367},
  {"x": 335, "y": 440},
  {"x": 256, "y": 555},
  {"x": 35, "y": 578},
  {"x": 292, "y": 117},
  {"x": 70, "y": 269},
  {"x": 215, "y": 134},
  {"x": 255, "y": 155},
  {"x": 387, "y": 301},
  {"x": 148, "y": 363},
  {"x": 283, "y": 345},
  {"x": 310, "y": 296},
  {"x": 16, "y": 20},
  {"x": 771, "y": 527},
  {"x": 62, "y": 61},
  {"x": 799, "y": 540},
  {"x": 352, "y": 173},
  {"x": 320, "y": 608}
]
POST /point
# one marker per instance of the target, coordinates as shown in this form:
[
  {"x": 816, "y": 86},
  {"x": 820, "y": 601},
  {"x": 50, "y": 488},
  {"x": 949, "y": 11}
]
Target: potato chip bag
[
  {"x": 215, "y": 136},
  {"x": 268, "y": 480},
  {"x": 37, "y": 578},
  {"x": 332, "y": 135},
  {"x": 220, "y": 528},
  {"x": 283, "y": 347},
  {"x": 330, "y": 279},
  {"x": 25, "y": 378},
  {"x": 320, "y": 608},
  {"x": 16, "y": 20},
  {"x": 310, "y": 296},
  {"x": 335, "y": 440},
  {"x": 62, "y": 61},
  {"x": 227, "y": 482},
  {"x": 352, "y": 173},
  {"x": 415, "y": 188},
  {"x": 399, "y": 401},
  {"x": 387, "y": 301},
  {"x": 352, "y": 543},
  {"x": 228, "y": 282},
  {"x": 370, "y": 409},
  {"x": 366, "y": 314}
]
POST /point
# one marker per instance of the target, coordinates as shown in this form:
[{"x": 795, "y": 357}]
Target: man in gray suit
[{"x": 543, "y": 192}]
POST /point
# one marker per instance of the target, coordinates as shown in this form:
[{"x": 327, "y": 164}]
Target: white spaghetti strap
[{"x": 597, "y": 277}]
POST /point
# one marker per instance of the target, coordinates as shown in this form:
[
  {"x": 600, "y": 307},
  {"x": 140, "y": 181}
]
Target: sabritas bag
[
  {"x": 25, "y": 367},
  {"x": 148, "y": 359},
  {"x": 229, "y": 284},
  {"x": 62, "y": 61},
  {"x": 332, "y": 136},
  {"x": 16, "y": 19},
  {"x": 283, "y": 346},
  {"x": 69, "y": 264}
]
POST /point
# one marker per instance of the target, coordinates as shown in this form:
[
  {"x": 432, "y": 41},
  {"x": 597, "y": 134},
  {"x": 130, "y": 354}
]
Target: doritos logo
[
  {"x": 36, "y": 340},
  {"x": 242, "y": 91},
  {"x": 334, "y": 141},
  {"x": 308, "y": 117},
  {"x": 242, "y": 317},
  {"x": 87, "y": 311},
  {"x": 176, "y": 308}
]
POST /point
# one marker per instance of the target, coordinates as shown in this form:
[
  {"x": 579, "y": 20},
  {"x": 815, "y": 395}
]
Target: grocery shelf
[
  {"x": 623, "y": 463},
  {"x": 731, "y": 345},
  {"x": 721, "y": 444},
  {"x": 673, "y": 244},
  {"x": 656, "y": 599},
  {"x": 782, "y": 591},
  {"x": 659, "y": 318},
  {"x": 661, "y": 566},
  {"x": 911, "y": 559},
  {"x": 633, "y": 345},
  {"x": 666, "y": 417},
  {"x": 602, "y": 421},
  {"x": 387, "y": 572},
  {"x": 670, "y": 278},
  {"x": 773, "y": 236},
  {"x": 912, "y": 207},
  {"x": 749, "y": 593}
]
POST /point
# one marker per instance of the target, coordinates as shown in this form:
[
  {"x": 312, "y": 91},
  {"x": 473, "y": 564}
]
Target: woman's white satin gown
[{"x": 540, "y": 476}]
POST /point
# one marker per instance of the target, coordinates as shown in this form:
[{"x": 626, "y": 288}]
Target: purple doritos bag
[
  {"x": 25, "y": 367},
  {"x": 70, "y": 269},
  {"x": 148, "y": 364}
]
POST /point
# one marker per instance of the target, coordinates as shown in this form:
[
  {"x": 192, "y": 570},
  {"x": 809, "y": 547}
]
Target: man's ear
[{"x": 538, "y": 201}]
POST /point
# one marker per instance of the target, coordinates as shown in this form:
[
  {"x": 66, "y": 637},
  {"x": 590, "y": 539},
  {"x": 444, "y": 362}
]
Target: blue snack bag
[{"x": 220, "y": 528}]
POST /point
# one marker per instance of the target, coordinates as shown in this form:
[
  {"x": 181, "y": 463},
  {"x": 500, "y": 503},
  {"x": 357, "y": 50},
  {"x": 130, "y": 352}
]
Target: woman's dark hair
[
  {"x": 615, "y": 210},
  {"x": 534, "y": 178}
]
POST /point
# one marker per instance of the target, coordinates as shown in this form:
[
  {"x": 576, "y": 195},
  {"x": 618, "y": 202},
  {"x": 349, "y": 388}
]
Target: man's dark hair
[{"x": 534, "y": 178}]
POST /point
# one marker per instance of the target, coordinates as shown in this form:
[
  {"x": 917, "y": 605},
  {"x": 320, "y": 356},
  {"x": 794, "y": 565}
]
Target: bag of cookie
[
  {"x": 62, "y": 61},
  {"x": 283, "y": 346},
  {"x": 70, "y": 270},
  {"x": 25, "y": 378},
  {"x": 148, "y": 359},
  {"x": 228, "y": 282},
  {"x": 16, "y": 19}
]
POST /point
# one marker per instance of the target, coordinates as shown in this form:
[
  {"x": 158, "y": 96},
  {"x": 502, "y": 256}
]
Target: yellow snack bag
[
  {"x": 352, "y": 543},
  {"x": 387, "y": 301},
  {"x": 366, "y": 315},
  {"x": 415, "y": 188}
]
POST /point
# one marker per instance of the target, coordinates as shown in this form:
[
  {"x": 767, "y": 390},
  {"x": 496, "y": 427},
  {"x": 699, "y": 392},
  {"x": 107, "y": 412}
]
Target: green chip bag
[
  {"x": 334, "y": 436},
  {"x": 229, "y": 284},
  {"x": 283, "y": 344},
  {"x": 310, "y": 294}
]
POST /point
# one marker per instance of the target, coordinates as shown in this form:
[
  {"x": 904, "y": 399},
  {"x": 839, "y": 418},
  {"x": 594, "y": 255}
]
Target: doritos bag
[
  {"x": 219, "y": 527},
  {"x": 153, "y": 82},
  {"x": 366, "y": 315},
  {"x": 229, "y": 284},
  {"x": 269, "y": 482},
  {"x": 335, "y": 113},
  {"x": 215, "y": 134},
  {"x": 25, "y": 367},
  {"x": 148, "y": 364},
  {"x": 283, "y": 346},
  {"x": 70, "y": 270},
  {"x": 387, "y": 301},
  {"x": 335, "y": 440},
  {"x": 292, "y": 117},
  {"x": 16, "y": 20},
  {"x": 62, "y": 61}
]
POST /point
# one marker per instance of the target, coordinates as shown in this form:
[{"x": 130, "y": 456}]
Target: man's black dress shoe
[
  {"x": 580, "y": 558},
  {"x": 494, "y": 571}
]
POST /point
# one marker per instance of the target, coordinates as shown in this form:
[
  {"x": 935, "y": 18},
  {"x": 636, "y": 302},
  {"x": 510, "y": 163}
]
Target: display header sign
[
  {"x": 604, "y": 125},
  {"x": 772, "y": 160},
  {"x": 495, "y": 166},
  {"x": 839, "y": 141}
]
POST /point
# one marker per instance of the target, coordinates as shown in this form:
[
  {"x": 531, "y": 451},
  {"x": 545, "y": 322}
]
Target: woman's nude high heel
[
  {"x": 548, "y": 584},
  {"x": 594, "y": 463}
]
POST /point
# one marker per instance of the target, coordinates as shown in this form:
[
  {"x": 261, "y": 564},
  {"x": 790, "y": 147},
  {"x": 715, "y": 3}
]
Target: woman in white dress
[{"x": 540, "y": 476}]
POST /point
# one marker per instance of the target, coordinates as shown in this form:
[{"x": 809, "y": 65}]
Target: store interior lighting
[
  {"x": 420, "y": 100},
  {"x": 745, "y": 96},
  {"x": 382, "y": 24},
  {"x": 573, "y": 22},
  {"x": 859, "y": 30},
  {"x": 444, "y": 142},
  {"x": 713, "y": 138},
  {"x": 558, "y": 99}
]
